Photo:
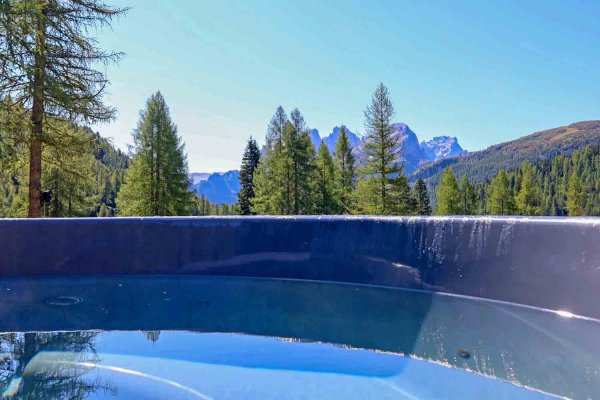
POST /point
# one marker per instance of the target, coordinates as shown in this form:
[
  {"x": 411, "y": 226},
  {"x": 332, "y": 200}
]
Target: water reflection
[
  {"x": 152, "y": 336},
  {"x": 521, "y": 345},
  {"x": 22, "y": 377}
]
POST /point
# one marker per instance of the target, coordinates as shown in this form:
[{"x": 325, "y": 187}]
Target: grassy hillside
[{"x": 483, "y": 165}]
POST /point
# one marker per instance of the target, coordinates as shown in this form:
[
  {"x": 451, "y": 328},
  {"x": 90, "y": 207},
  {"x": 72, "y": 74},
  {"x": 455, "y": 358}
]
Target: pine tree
[
  {"x": 250, "y": 162},
  {"x": 382, "y": 153},
  {"x": 448, "y": 195},
  {"x": 49, "y": 62},
  {"x": 528, "y": 196},
  {"x": 421, "y": 196},
  {"x": 157, "y": 180},
  {"x": 326, "y": 200},
  {"x": 345, "y": 171},
  {"x": 575, "y": 196},
  {"x": 502, "y": 199},
  {"x": 468, "y": 197}
]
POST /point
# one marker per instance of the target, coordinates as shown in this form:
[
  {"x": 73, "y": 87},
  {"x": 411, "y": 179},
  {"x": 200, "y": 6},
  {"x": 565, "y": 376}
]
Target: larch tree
[
  {"x": 250, "y": 162},
  {"x": 575, "y": 196},
  {"x": 528, "y": 197},
  {"x": 345, "y": 164},
  {"x": 49, "y": 70},
  {"x": 502, "y": 198},
  {"x": 299, "y": 161},
  {"x": 157, "y": 180},
  {"x": 382, "y": 157},
  {"x": 448, "y": 195},
  {"x": 275, "y": 129}
]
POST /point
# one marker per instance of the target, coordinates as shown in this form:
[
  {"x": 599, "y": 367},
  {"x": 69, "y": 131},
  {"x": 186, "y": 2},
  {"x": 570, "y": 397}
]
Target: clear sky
[{"x": 484, "y": 71}]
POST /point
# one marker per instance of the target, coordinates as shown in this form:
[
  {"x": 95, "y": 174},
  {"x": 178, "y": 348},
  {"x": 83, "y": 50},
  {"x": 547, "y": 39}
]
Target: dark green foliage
[
  {"x": 483, "y": 166},
  {"x": 284, "y": 181},
  {"x": 300, "y": 154},
  {"x": 564, "y": 185},
  {"x": 84, "y": 180},
  {"x": 345, "y": 164},
  {"x": 250, "y": 162},
  {"x": 421, "y": 196},
  {"x": 50, "y": 68},
  {"x": 469, "y": 201},
  {"x": 380, "y": 190},
  {"x": 203, "y": 207},
  {"x": 575, "y": 196},
  {"x": 326, "y": 199}
]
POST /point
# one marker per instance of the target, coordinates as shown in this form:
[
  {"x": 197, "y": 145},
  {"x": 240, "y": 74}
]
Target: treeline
[
  {"x": 564, "y": 185},
  {"x": 292, "y": 178},
  {"x": 204, "y": 207},
  {"x": 84, "y": 173}
]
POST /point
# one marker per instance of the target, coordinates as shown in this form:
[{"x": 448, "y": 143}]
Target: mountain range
[
  {"x": 222, "y": 187},
  {"x": 217, "y": 187},
  {"x": 480, "y": 166},
  {"x": 428, "y": 159}
]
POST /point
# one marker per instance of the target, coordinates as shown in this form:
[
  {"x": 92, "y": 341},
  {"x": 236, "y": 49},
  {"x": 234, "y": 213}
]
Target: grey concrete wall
[{"x": 546, "y": 262}]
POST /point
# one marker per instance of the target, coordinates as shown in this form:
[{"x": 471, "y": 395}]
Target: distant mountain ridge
[
  {"x": 483, "y": 165},
  {"x": 331, "y": 139},
  {"x": 217, "y": 187},
  {"x": 441, "y": 147}
]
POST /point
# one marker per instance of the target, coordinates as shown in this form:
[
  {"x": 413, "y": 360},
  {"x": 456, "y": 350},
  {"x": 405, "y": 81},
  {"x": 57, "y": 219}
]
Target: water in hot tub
[{"x": 166, "y": 337}]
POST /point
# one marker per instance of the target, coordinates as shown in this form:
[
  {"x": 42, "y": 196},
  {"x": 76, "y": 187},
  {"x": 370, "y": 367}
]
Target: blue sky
[{"x": 483, "y": 71}]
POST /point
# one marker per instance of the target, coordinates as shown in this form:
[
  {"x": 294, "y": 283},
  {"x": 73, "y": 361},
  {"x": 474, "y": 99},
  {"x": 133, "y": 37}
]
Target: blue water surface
[{"x": 165, "y": 337}]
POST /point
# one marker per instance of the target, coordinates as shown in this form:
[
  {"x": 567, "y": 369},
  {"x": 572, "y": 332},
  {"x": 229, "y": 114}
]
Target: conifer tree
[
  {"x": 326, "y": 200},
  {"x": 421, "y": 196},
  {"x": 468, "y": 197},
  {"x": 284, "y": 180},
  {"x": 299, "y": 158},
  {"x": 402, "y": 201},
  {"x": 271, "y": 181},
  {"x": 275, "y": 129},
  {"x": 157, "y": 180},
  {"x": 448, "y": 195},
  {"x": 250, "y": 162},
  {"x": 382, "y": 152},
  {"x": 528, "y": 197},
  {"x": 575, "y": 196},
  {"x": 345, "y": 171},
  {"x": 502, "y": 199},
  {"x": 49, "y": 68}
]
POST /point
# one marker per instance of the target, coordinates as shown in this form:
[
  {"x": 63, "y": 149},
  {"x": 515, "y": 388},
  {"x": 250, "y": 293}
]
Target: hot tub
[{"x": 272, "y": 308}]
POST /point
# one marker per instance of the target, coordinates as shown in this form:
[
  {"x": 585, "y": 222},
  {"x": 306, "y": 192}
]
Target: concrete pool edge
[{"x": 552, "y": 263}]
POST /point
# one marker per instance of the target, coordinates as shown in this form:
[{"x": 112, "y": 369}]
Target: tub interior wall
[{"x": 551, "y": 263}]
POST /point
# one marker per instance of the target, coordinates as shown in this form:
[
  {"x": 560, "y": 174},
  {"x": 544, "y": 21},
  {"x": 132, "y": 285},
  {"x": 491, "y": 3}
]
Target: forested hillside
[
  {"x": 80, "y": 183},
  {"x": 483, "y": 165},
  {"x": 563, "y": 185}
]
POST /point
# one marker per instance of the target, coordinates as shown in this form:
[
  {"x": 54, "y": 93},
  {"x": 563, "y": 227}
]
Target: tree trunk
[{"x": 37, "y": 118}]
